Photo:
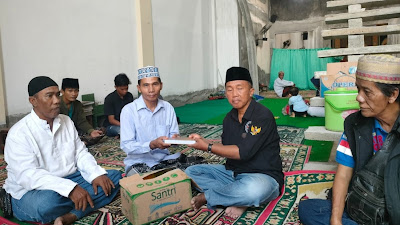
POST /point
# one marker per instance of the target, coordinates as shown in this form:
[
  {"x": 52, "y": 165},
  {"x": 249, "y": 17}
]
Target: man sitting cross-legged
[
  {"x": 281, "y": 86},
  {"x": 114, "y": 102},
  {"x": 253, "y": 171},
  {"x": 51, "y": 176},
  {"x": 145, "y": 123}
]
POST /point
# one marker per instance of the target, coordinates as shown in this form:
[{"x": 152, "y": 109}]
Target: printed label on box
[{"x": 331, "y": 82}]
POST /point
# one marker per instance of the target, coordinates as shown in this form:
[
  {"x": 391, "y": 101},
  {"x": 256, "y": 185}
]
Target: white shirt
[
  {"x": 139, "y": 126},
  {"x": 38, "y": 158},
  {"x": 279, "y": 85}
]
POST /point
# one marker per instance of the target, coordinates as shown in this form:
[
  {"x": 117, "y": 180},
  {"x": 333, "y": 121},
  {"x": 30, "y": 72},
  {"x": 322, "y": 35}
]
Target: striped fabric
[
  {"x": 343, "y": 151},
  {"x": 104, "y": 218},
  {"x": 379, "y": 68}
]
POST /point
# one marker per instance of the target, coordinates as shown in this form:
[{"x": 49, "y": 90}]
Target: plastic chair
[{"x": 98, "y": 109}]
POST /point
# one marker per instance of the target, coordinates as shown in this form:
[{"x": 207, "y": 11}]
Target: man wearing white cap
[{"x": 145, "y": 123}]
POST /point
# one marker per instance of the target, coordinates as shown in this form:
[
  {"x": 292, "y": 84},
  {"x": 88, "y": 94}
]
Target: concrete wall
[
  {"x": 394, "y": 38},
  {"x": 294, "y": 19},
  {"x": 187, "y": 50},
  {"x": 289, "y": 10},
  {"x": 3, "y": 120},
  {"x": 260, "y": 14},
  {"x": 227, "y": 37},
  {"x": 94, "y": 40}
]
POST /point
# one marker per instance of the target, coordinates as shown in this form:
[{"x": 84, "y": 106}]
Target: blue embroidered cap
[{"x": 148, "y": 71}]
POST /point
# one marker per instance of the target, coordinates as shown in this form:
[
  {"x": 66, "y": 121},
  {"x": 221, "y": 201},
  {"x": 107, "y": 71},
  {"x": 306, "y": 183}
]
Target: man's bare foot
[
  {"x": 198, "y": 201},
  {"x": 66, "y": 219},
  {"x": 293, "y": 115},
  {"x": 235, "y": 211}
]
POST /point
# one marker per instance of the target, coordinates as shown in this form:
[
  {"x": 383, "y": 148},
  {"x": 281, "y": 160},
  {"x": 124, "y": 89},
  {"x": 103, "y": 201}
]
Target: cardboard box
[
  {"x": 339, "y": 75},
  {"x": 151, "y": 196},
  {"x": 331, "y": 82},
  {"x": 317, "y": 74},
  {"x": 344, "y": 67}
]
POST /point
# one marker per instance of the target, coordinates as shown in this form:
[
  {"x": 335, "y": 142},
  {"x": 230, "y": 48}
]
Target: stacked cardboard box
[{"x": 339, "y": 75}]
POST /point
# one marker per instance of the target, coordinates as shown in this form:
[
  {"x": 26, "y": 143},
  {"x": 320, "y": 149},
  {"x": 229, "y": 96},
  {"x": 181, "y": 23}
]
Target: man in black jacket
[
  {"x": 378, "y": 84},
  {"x": 253, "y": 171}
]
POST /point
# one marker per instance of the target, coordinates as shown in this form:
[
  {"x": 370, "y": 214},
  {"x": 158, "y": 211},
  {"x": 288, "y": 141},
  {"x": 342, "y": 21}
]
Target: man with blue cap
[
  {"x": 51, "y": 176},
  {"x": 145, "y": 123}
]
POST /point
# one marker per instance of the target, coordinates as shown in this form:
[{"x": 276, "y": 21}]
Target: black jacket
[{"x": 358, "y": 130}]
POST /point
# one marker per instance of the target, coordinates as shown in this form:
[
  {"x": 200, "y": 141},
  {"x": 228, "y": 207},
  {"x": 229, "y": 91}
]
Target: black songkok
[
  {"x": 238, "y": 73},
  {"x": 39, "y": 83},
  {"x": 69, "y": 83}
]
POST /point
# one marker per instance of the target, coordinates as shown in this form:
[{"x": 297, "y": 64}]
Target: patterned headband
[
  {"x": 379, "y": 69},
  {"x": 148, "y": 71}
]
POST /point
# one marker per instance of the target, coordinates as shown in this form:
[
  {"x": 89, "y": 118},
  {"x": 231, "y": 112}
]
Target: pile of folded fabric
[{"x": 218, "y": 95}]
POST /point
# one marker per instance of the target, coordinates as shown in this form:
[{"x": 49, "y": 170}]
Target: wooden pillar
[
  {"x": 144, "y": 24},
  {"x": 355, "y": 41},
  {"x": 3, "y": 121}
]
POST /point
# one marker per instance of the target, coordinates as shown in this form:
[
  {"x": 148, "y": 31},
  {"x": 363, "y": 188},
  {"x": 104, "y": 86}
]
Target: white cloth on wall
[{"x": 316, "y": 111}]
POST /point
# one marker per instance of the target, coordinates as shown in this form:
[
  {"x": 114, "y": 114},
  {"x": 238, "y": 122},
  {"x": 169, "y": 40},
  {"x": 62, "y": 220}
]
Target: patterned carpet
[
  {"x": 293, "y": 154},
  {"x": 287, "y": 134},
  {"x": 110, "y": 156},
  {"x": 299, "y": 185}
]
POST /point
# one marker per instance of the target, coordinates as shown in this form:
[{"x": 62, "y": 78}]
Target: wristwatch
[{"x": 209, "y": 148}]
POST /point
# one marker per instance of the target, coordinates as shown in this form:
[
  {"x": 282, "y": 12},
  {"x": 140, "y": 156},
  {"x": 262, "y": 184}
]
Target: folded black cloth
[
  {"x": 182, "y": 162},
  {"x": 5, "y": 204}
]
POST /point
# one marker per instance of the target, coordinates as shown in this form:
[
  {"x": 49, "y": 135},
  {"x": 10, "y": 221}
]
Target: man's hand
[
  {"x": 159, "y": 143},
  {"x": 104, "y": 182},
  {"x": 200, "y": 144},
  {"x": 96, "y": 133},
  {"x": 80, "y": 197}
]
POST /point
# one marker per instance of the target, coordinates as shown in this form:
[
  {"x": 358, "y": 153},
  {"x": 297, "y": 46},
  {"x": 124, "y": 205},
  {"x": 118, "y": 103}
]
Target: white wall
[
  {"x": 227, "y": 36},
  {"x": 195, "y": 42},
  {"x": 94, "y": 40},
  {"x": 183, "y": 44}
]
